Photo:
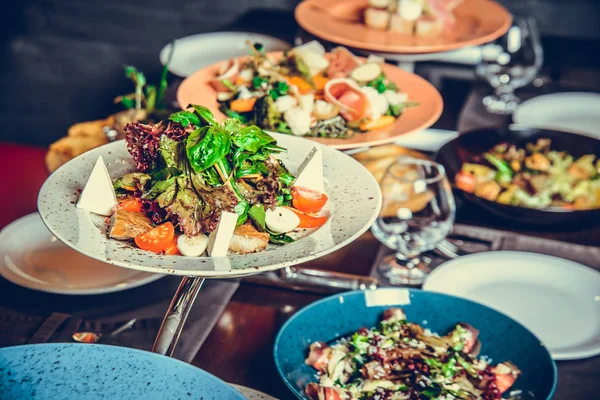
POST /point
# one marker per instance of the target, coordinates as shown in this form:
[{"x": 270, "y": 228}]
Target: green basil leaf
[
  {"x": 281, "y": 239},
  {"x": 212, "y": 145},
  {"x": 185, "y": 118},
  {"x": 165, "y": 173},
  {"x": 169, "y": 151},
  {"x": 241, "y": 209},
  {"x": 158, "y": 188},
  {"x": 251, "y": 138},
  {"x": 232, "y": 125},
  {"x": 205, "y": 114},
  {"x": 211, "y": 177},
  {"x": 257, "y": 215}
]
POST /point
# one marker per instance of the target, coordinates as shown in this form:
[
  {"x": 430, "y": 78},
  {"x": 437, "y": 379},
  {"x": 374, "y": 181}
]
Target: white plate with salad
[{"x": 192, "y": 196}]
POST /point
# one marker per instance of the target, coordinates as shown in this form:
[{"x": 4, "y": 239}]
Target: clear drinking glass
[
  {"x": 417, "y": 214},
  {"x": 509, "y": 63}
]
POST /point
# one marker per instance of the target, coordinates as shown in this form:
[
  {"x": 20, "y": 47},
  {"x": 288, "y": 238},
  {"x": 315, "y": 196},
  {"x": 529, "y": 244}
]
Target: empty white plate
[
  {"x": 198, "y": 51},
  {"x": 576, "y": 112},
  {"x": 32, "y": 257},
  {"x": 557, "y": 299}
]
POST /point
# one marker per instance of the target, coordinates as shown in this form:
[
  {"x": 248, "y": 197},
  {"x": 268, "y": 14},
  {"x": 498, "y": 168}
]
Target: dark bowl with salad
[{"x": 529, "y": 175}]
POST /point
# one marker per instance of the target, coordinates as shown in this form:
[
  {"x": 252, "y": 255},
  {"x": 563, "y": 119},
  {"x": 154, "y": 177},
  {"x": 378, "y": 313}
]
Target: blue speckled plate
[
  {"x": 88, "y": 371},
  {"x": 502, "y": 338}
]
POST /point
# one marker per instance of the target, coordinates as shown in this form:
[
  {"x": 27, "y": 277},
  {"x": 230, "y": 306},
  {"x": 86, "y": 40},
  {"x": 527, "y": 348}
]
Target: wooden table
[{"x": 240, "y": 347}]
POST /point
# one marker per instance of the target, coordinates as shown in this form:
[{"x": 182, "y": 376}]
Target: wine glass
[
  {"x": 509, "y": 63},
  {"x": 417, "y": 214}
]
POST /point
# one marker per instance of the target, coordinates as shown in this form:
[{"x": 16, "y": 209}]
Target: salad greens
[
  {"x": 150, "y": 97},
  {"x": 402, "y": 360},
  {"x": 194, "y": 168}
]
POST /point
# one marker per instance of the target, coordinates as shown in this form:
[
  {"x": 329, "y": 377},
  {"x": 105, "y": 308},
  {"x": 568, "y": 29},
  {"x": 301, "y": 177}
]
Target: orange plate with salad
[{"x": 334, "y": 98}]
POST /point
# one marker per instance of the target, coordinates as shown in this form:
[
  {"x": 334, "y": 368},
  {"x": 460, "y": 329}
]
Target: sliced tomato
[
  {"x": 309, "y": 221},
  {"x": 465, "y": 181},
  {"x": 131, "y": 205},
  {"x": 308, "y": 200},
  {"x": 172, "y": 249},
  {"x": 156, "y": 239}
]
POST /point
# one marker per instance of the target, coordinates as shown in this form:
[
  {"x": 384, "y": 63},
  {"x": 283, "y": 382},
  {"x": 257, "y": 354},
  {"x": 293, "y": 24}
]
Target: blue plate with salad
[{"x": 410, "y": 344}]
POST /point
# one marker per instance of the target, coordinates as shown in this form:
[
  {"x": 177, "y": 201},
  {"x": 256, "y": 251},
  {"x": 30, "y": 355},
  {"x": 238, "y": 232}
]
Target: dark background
[{"x": 62, "y": 60}]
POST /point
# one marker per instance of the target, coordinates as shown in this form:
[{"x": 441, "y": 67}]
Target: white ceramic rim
[
  {"x": 353, "y": 191},
  {"x": 538, "y": 103},
  {"x": 441, "y": 278},
  {"x": 194, "y": 40},
  {"x": 34, "y": 218}
]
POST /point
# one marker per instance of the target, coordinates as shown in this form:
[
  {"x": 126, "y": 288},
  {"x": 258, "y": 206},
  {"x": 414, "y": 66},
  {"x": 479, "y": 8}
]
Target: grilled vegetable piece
[
  {"x": 126, "y": 225},
  {"x": 247, "y": 239},
  {"x": 488, "y": 190},
  {"x": 538, "y": 162},
  {"x": 465, "y": 181}
]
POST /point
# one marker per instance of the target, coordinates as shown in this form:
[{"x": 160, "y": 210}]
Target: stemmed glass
[
  {"x": 509, "y": 63},
  {"x": 417, "y": 214}
]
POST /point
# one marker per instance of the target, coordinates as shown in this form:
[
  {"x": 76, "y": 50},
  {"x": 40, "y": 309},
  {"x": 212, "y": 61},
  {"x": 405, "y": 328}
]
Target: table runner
[{"x": 28, "y": 316}]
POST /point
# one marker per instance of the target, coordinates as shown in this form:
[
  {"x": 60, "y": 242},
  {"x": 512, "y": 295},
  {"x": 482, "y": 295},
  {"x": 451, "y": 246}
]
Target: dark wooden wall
[{"x": 62, "y": 60}]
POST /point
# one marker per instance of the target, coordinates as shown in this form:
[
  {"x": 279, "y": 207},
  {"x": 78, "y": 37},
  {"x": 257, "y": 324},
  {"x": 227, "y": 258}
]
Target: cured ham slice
[
  {"x": 346, "y": 94},
  {"x": 442, "y": 10},
  {"x": 229, "y": 70},
  {"x": 505, "y": 375},
  {"x": 341, "y": 63},
  {"x": 318, "y": 357},
  {"x": 317, "y": 392},
  {"x": 471, "y": 340}
]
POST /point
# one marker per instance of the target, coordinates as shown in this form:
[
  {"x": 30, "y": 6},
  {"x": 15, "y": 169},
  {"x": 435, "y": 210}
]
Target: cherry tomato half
[
  {"x": 156, "y": 239},
  {"x": 172, "y": 249},
  {"x": 308, "y": 200},
  {"x": 465, "y": 181},
  {"x": 309, "y": 221}
]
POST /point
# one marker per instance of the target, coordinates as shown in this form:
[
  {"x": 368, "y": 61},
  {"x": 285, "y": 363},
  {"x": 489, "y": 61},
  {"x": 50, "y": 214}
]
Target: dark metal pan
[{"x": 462, "y": 149}]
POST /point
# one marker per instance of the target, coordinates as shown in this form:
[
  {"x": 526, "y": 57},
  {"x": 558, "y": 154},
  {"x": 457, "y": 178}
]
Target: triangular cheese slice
[
  {"x": 219, "y": 239},
  {"x": 98, "y": 196},
  {"x": 310, "y": 173}
]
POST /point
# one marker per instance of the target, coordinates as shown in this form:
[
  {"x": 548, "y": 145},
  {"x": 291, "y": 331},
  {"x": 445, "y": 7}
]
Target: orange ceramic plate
[
  {"x": 195, "y": 89},
  {"x": 341, "y": 21}
]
